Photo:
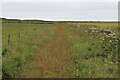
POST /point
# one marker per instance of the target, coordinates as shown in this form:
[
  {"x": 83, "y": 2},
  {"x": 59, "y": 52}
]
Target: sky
[{"x": 65, "y": 10}]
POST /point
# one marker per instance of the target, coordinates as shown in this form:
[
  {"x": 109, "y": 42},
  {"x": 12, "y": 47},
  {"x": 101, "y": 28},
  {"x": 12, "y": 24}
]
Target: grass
[
  {"x": 92, "y": 49},
  {"x": 21, "y": 50},
  {"x": 102, "y": 24},
  {"x": 84, "y": 56}
]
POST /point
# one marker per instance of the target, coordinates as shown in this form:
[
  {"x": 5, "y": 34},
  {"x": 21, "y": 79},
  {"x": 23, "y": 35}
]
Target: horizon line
[{"x": 55, "y": 20}]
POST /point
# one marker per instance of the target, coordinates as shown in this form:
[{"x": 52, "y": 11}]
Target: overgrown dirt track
[
  {"x": 52, "y": 60},
  {"x": 60, "y": 50}
]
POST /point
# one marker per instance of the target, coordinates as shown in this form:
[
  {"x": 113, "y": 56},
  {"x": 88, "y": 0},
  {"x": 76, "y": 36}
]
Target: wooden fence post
[
  {"x": 26, "y": 36},
  {"x": 8, "y": 40},
  {"x": 19, "y": 36},
  {"x": 35, "y": 31}
]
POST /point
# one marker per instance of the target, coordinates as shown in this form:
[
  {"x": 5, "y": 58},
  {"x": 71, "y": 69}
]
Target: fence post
[
  {"x": 19, "y": 36},
  {"x": 35, "y": 31},
  {"x": 25, "y": 36},
  {"x": 8, "y": 40}
]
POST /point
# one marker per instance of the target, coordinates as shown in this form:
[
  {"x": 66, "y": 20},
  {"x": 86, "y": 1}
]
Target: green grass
[
  {"x": 103, "y": 24},
  {"x": 99, "y": 24},
  {"x": 88, "y": 58},
  {"x": 84, "y": 60},
  {"x": 25, "y": 40}
]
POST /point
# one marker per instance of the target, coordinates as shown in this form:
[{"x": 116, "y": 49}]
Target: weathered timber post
[
  {"x": 19, "y": 36},
  {"x": 8, "y": 41}
]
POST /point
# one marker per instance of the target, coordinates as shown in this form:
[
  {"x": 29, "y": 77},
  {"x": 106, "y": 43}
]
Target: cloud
[
  {"x": 61, "y": 10},
  {"x": 60, "y": 0}
]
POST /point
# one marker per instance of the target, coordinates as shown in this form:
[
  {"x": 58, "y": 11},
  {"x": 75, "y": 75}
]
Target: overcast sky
[{"x": 61, "y": 9}]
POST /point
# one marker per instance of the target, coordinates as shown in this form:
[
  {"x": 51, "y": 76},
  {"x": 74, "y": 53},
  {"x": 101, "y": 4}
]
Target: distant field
[
  {"x": 104, "y": 24},
  {"x": 36, "y": 49},
  {"x": 100, "y": 24}
]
